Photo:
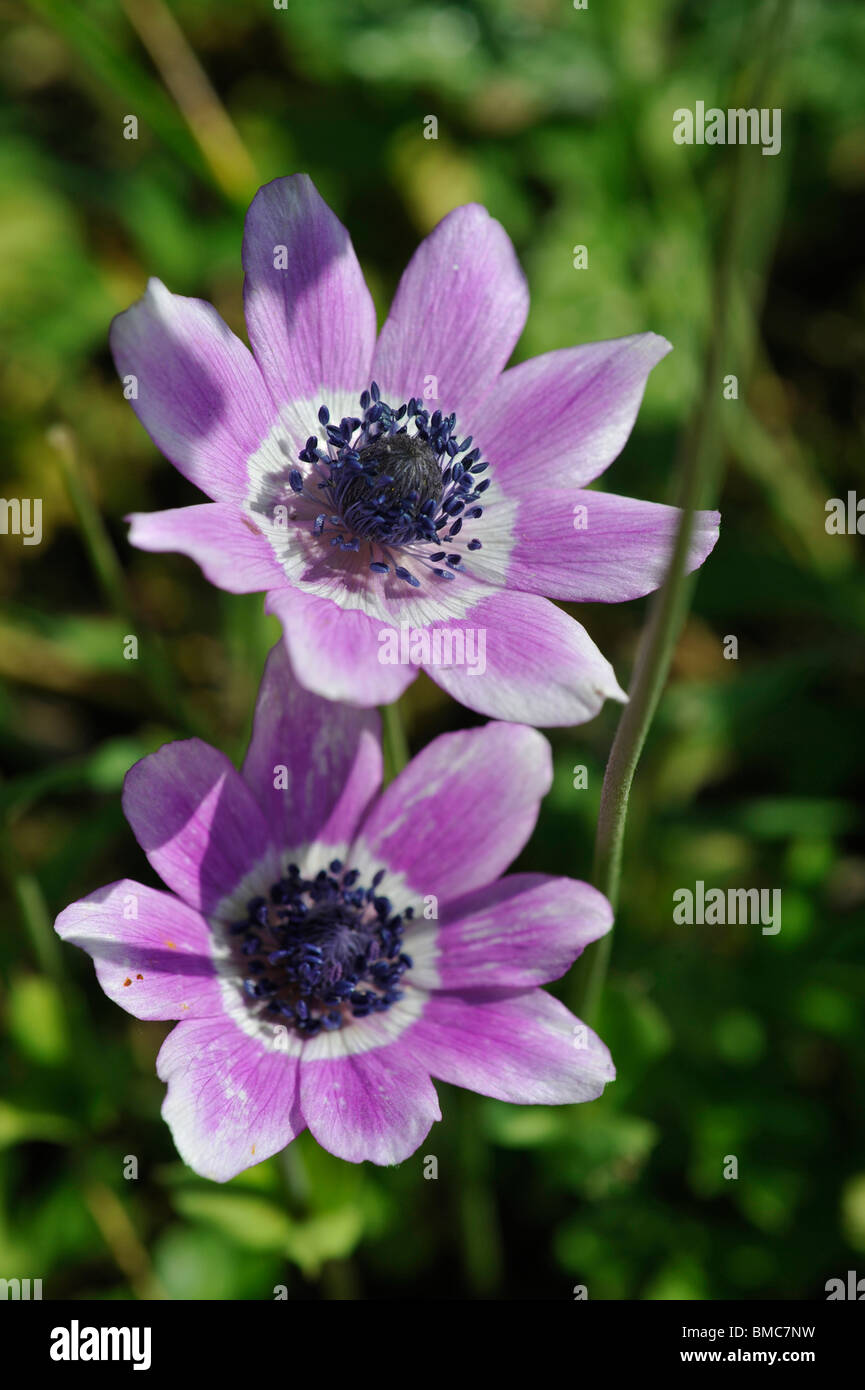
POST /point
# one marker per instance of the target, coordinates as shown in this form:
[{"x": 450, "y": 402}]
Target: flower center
[
  {"x": 394, "y": 480},
  {"x": 395, "y": 492},
  {"x": 317, "y": 953}
]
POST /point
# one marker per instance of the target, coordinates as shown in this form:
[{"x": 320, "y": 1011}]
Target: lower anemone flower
[
  {"x": 406, "y": 481},
  {"x": 328, "y": 948}
]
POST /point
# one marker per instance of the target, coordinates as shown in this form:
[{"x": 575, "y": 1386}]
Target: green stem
[
  {"x": 30, "y": 902},
  {"x": 394, "y": 741},
  {"x": 701, "y": 453},
  {"x": 158, "y": 671},
  {"x": 103, "y": 556},
  {"x": 295, "y": 1181},
  {"x": 480, "y": 1234}
]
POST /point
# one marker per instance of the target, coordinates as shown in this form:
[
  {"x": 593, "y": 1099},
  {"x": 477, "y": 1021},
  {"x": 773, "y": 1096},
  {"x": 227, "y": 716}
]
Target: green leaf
[
  {"x": 250, "y": 1221},
  {"x": 37, "y": 1021},
  {"x": 18, "y": 1125}
]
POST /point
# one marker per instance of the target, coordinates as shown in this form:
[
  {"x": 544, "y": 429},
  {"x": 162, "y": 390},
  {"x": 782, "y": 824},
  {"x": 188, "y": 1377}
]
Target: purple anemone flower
[
  {"x": 406, "y": 483},
  {"x": 328, "y": 947}
]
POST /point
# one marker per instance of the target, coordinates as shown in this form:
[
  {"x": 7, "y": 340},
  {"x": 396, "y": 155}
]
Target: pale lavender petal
[
  {"x": 200, "y": 395},
  {"x": 313, "y": 766},
  {"x": 523, "y": 930},
  {"x": 335, "y": 651},
  {"x": 561, "y": 418},
  {"x": 526, "y": 1048},
  {"x": 315, "y": 570},
  {"x": 232, "y": 553},
  {"x": 231, "y": 1102},
  {"x": 196, "y": 820},
  {"x": 311, "y": 324},
  {"x": 462, "y": 810},
  {"x": 458, "y": 311},
  {"x": 592, "y": 547},
  {"x": 374, "y": 1106},
  {"x": 540, "y": 665},
  {"x": 151, "y": 952}
]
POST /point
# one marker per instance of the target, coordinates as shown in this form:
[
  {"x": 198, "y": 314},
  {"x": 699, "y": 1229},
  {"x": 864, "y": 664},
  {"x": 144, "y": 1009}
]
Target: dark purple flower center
[
  {"x": 319, "y": 952},
  {"x": 395, "y": 480},
  {"x": 393, "y": 493}
]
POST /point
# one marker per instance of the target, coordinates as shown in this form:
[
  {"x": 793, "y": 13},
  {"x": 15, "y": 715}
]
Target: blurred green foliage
[{"x": 727, "y": 1042}]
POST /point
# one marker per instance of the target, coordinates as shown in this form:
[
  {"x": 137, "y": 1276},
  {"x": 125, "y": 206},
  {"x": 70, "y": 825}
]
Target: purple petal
[
  {"x": 196, "y": 820},
  {"x": 524, "y": 930},
  {"x": 315, "y": 571},
  {"x": 541, "y": 666},
  {"x": 231, "y": 552},
  {"x": 374, "y": 1106},
  {"x": 328, "y": 757},
  {"x": 458, "y": 311},
  {"x": 335, "y": 651},
  {"x": 201, "y": 397},
  {"x": 151, "y": 952},
  {"x": 231, "y": 1103},
  {"x": 595, "y": 547},
  {"x": 526, "y": 1048},
  {"x": 462, "y": 810},
  {"x": 563, "y": 417},
  {"x": 312, "y": 324}
]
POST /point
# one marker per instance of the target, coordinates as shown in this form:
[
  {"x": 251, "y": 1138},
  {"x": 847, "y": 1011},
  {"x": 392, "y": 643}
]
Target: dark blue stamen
[
  {"x": 319, "y": 952},
  {"x": 395, "y": 478}
]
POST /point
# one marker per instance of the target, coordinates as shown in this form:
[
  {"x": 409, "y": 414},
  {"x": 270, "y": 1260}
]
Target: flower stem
[
  {"x": 394, "y": 741},
  {"x": 121, "y": 1238},
  {"x": 158, "y": 671},
  {"x": 180, "y": 69},
  {"x": 480, "y": 1233},
  {"x": 699, "y": 471},
  {"x": 28, "y": 896},
  {"x": 295, "y": 1180},
  {"x": 97, "y": 541}
]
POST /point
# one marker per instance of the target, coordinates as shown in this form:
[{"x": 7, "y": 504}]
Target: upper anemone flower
[
  {"x": 406, "y": 482},
  {"x": 328, "y": 947}
]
